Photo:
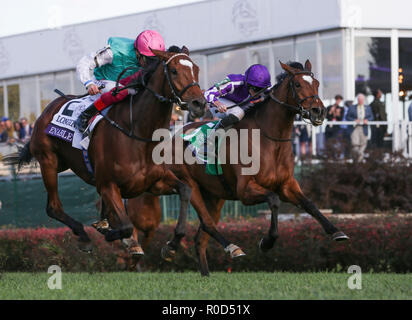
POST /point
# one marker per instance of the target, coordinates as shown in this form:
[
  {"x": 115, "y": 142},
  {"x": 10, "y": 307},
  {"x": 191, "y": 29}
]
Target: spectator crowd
[
  {"x": 17, "y": 131},
  {"x": 357, "y": 136}
]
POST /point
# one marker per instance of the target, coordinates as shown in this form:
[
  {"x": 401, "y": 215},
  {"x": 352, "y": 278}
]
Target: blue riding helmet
[{"x": 258, "y": 75}]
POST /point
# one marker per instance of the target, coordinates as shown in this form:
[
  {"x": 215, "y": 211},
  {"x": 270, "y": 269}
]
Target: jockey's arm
[
  {"x": 88, "y": 63},
  {"x": 219, "y": 90}
]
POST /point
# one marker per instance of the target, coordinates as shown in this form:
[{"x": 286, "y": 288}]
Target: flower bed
[{"x": 381, "y": 244}]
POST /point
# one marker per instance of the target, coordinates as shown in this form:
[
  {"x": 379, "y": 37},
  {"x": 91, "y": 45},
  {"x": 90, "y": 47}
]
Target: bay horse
[
  {"x": 122, "y": 163},
  {"x": 295, "y": 93}
]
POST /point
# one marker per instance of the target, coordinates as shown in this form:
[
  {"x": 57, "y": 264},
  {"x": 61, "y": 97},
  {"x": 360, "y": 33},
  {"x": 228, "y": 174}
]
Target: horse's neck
[
  {"x": 149, "y": 113},
  {"x": 274, "y": 119}
]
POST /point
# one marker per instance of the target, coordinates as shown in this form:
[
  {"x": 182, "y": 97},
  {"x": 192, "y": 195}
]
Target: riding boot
[{"x": 83, "y": 120}]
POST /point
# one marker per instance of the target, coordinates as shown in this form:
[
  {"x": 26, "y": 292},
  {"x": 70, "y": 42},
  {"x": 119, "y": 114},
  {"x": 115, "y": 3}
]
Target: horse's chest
[{"x": 274, "y": 176}]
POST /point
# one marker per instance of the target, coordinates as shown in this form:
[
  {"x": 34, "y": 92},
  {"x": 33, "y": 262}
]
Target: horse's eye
[
  {"x": 173, "y": 71},
  {"x": 297, "y": 85}
]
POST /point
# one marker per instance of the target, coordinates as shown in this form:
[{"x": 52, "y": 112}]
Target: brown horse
[
  {"x": 295, "y": 92},
  {"x": 122, "y": 164}
]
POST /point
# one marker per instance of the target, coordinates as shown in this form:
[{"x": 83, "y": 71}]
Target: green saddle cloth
[{"x": 197, "y": 140}]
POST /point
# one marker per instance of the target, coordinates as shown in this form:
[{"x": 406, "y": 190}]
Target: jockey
[
  {"x": 237, "y": 88},
  {"x": 102, "y": 68}
]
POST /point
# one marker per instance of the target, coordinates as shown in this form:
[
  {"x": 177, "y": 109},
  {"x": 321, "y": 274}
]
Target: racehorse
[
  {"x": 295, "y": 93},
  {"x": 121, "y": 159}
]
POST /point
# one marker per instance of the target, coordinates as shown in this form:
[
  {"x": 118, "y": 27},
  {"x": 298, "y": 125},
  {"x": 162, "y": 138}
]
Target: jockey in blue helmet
[{"x": 237, "y": 88}]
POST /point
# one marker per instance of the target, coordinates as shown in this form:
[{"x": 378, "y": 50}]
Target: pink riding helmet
[{"x": 149, "y": 39}]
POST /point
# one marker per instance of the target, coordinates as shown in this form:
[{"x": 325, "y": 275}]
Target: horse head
[
  {"x": 182, "y": 75},
  {"x": 303, "y": 93}
]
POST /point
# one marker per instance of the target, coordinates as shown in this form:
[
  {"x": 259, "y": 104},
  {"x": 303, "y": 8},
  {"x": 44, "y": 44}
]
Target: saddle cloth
[
  {"x": 197, "y": 142},
  {"x": 62, "y": 124}
]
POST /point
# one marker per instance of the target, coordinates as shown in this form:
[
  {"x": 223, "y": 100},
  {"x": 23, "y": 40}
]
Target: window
[
  {"x": 46, "y": 90},
  {"x": 372, "y": 64},
  {"x": 307, "y": 50},
  {"x": 1, "y": 101},
  {"x": 224, "y": 63},
  {"x": 405, "y": 75},
  {"x": 28, "y": 98},
  {"x": 282, "y": 52},
  {"x": 200, "y": 61},
  {"x": 260, "y": 56},
  {"x": 62, "y": 81},
  {"x": 13, "y": 99},
  {"x": 332, "y": 69},
  {"x": 373, "y": 69},
  {"x": 79, "y": 88}
]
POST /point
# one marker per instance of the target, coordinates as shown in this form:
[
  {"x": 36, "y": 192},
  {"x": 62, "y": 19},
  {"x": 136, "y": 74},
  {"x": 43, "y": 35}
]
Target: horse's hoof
[
  {"x": 136, "y": 250},
  {"x": 235, "y": 251},
  {"x": 167, "y": 253},
  {"x": 339, "y": 236},
  {"x": 85, "y": 246}
]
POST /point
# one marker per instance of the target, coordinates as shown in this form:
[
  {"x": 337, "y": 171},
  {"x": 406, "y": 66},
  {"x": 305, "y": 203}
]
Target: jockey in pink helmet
[{"x": 106, "y": 65}]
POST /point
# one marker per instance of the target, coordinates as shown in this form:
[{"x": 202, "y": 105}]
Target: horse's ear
[
  {"x": 163, "y": 55},
  {"x": 287, "y": 68},
  {"x": 308, "y": 65},
  {"x": 185, "y": 50}
]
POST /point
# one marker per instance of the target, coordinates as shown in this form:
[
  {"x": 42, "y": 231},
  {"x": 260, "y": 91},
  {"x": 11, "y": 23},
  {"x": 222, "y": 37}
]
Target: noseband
[{"x": 297, "y": 108}]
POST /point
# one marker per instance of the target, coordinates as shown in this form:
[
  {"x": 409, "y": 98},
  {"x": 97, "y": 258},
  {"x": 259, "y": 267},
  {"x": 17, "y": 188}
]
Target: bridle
[
  {"x": 177, "y": 96},
  {"x": 297, "y": 108},
  {"x": 294, "y": 108}
]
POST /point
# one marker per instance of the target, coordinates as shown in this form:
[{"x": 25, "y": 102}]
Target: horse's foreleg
[
  {"x": 54, "y": 207},
  {"x": 169, "y": 251},
  {"x": 118, "y": 219},
  {"x": 214, "y": 207},
  {"x": 201, "y": 242},
  {"x": 269, "y": 240},
  {"x": 208, "y": 225},
  {"x": 292, "y": 193},
  {"x": 250, "y": 193}
]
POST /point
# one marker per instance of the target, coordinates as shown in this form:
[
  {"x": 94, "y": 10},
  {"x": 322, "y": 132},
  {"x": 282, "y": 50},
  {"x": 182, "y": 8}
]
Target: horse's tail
[{"x": 20, "y": 158}]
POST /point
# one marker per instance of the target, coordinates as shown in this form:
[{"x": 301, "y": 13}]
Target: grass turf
[{"x": 190, "y": 285}]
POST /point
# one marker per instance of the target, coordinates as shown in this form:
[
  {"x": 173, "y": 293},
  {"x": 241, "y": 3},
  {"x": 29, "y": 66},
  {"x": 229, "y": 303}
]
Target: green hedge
[{"x": 381, "y": 244}]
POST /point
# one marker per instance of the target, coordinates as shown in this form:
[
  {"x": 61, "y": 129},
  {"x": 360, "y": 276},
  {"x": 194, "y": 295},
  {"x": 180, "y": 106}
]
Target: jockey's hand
[
  {"x": 93, "y": 89},
  {"x": 220, "y": 106}
]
